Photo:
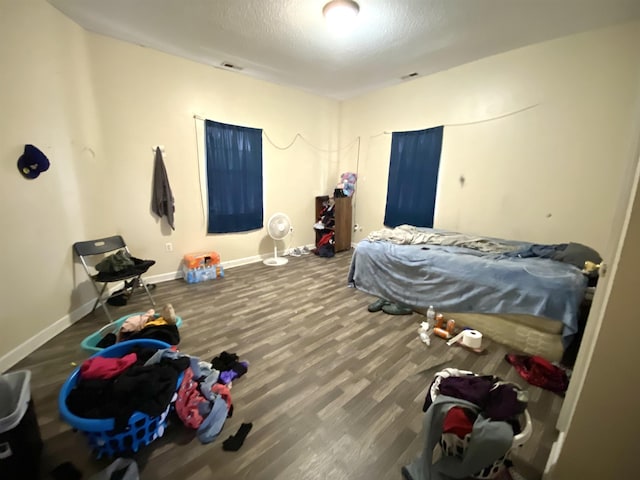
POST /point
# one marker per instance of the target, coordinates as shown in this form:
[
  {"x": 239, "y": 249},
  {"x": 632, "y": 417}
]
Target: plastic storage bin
[
  {"x": 197, "y": 275},
  {"x": 20, "y": 442},
  {"x": 90, "y": 342},
  {"x": 103, "y": 440}
]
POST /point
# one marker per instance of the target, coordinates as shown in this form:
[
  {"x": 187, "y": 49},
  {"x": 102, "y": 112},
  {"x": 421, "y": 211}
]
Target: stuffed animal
[
  {"x": 169, "y": 314},
  {"x": 348, "y": 183}
]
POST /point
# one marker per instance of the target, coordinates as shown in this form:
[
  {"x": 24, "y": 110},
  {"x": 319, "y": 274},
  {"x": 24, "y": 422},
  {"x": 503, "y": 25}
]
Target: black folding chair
[{"x": 92, "y": 253}]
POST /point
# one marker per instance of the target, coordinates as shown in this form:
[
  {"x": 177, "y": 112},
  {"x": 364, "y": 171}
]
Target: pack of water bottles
[{"x": 202, "y": 273}]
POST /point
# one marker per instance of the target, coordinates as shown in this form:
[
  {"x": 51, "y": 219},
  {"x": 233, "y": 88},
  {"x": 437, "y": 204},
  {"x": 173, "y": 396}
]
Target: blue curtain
[
  {"x": 234, "y": 177},
  {"x": 413, "y": 177}
]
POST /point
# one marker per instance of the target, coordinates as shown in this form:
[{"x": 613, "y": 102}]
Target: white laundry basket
[{"x": 451, "y": 444}]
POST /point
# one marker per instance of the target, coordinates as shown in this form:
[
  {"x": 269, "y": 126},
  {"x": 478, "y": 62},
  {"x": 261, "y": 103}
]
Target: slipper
[
  {"x": 378, "y": 305},
  {"x": 395, "y": 309}
]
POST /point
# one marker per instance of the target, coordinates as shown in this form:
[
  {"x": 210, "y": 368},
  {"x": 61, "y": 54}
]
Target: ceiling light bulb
[{"x": 340, "y": 14}]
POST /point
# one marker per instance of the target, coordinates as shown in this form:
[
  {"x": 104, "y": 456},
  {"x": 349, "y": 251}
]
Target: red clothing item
[
  {"x": 103, "y": 368},
  {"x": 189, "y": 397},
  {"x": 456, "y": 421},
  {"x": 540, "y": 372},
  {"x": 223, "y": 391}
]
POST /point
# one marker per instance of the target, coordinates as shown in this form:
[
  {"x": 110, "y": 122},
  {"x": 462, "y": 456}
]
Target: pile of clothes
[
  {"x": 144, "y": 380},
  {"x": 204, "y": 397}
]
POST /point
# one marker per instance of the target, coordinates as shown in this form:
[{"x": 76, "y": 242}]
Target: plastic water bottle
[{"x": 431, "y": 315}]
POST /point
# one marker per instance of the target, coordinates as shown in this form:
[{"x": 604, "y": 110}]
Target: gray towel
[{"x": 162, "y": 203}]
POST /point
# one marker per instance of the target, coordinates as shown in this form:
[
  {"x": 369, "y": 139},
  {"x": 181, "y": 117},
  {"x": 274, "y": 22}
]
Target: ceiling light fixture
[{"x": 340, "y": 14}]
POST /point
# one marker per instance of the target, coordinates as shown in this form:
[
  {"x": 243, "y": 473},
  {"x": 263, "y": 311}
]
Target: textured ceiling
[{"x": 287, "y": 41}]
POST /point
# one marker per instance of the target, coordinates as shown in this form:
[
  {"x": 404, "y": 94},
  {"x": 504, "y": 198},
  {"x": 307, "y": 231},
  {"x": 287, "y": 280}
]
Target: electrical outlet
[
  {"x": 356, "y": 227},
  {"x": 168, "y": 247}
]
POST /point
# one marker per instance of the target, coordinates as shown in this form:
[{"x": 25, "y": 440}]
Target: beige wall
[
  {"x": 47, "y": 100},
  {"x": 149, "y": 98},
  {"x": 550, "y": 173},
  {"x": 95, "y": 106}
]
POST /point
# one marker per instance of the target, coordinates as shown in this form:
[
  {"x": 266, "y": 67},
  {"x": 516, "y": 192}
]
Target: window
[
  {"x": 234, "y": 177},
  {"x": 413, "y": 177}
]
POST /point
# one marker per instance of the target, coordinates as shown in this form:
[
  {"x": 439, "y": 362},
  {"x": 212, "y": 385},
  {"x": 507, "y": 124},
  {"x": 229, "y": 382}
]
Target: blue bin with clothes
[{"x": 107, "y": 436}]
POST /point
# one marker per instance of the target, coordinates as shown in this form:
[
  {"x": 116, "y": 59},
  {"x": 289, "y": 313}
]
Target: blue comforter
[{"x": 458, "y": 279}]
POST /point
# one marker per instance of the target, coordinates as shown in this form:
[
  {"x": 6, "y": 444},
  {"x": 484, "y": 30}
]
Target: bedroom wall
[
  {"x": 545, "y": 167},
  {"x": 149, "y": 98},
  {"x": 96, "y": 106},
  {"x": 47, "y": 100}
]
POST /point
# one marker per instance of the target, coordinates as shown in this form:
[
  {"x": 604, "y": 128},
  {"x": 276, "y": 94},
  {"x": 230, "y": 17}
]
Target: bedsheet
[{"x": 459, "y": 279}]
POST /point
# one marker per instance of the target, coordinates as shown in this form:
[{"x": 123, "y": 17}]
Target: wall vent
[
  {"x": 408, "y": 76},
  {"x": 230, "y": 66}
]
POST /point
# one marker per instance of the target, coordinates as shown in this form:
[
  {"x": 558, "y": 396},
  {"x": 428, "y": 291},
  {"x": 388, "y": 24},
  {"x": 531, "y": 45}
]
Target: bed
[{"x": 534, "y": 292}]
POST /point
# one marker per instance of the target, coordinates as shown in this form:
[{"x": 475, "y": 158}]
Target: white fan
[{"x": 278, "y": 226}]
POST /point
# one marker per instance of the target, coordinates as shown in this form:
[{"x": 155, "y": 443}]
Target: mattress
[{"x": 461, "y": 279}]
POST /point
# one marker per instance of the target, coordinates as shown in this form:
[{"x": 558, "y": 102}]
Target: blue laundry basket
[{"x": 103, "y": 440}]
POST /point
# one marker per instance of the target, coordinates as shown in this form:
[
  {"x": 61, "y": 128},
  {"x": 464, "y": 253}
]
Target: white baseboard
[
  {"x": 9, "y": 359},
  {"x": 247, "y": 260},
  {"x": 163, "y": 277},
  {"x": 556, "y": 448},
  {"x": 12, "y": 357}
]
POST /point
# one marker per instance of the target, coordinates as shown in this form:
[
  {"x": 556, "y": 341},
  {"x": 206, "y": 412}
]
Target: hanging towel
[{"x": 162, "y": 200}]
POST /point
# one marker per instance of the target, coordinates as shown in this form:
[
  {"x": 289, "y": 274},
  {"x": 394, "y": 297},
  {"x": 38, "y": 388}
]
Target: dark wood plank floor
[{"x": 333, "y": 391}]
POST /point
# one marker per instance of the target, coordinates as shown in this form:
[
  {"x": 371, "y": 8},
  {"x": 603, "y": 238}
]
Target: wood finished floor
[{"x": 333, "y": 391}]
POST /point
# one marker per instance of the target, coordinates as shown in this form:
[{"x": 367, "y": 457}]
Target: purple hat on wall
[{"x": 32, "y": 162}]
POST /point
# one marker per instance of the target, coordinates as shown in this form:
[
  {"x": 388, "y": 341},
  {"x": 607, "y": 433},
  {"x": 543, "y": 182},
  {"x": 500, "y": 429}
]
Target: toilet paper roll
[{"x": 472, "y": 339}]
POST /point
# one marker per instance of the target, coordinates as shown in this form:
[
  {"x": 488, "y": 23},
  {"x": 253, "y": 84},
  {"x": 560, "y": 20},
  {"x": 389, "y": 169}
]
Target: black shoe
[
  {"x": 395, "y": 309},
  {"x": 377, "y": 305}
]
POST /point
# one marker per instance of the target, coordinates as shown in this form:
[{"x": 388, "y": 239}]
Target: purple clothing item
[
  {"x": 497, "y": 400},
  {"x": 227, "y": 376},
  {"x": 503, "y": 403},
  {"x": 474, "y": 389},
  {"x": 239, "y": 369}
]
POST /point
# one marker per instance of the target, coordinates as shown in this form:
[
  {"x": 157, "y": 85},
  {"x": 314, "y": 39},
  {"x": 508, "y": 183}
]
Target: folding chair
[{"x": 92, "y": 251}]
